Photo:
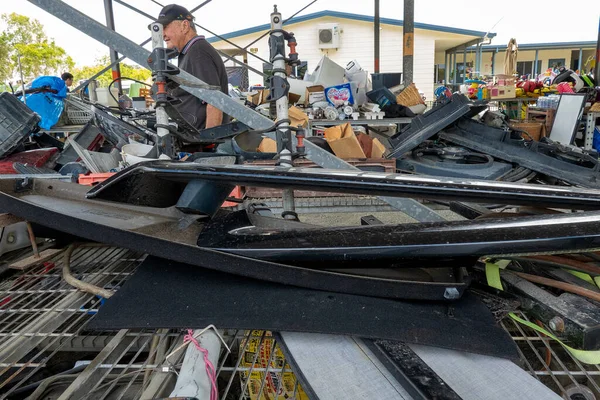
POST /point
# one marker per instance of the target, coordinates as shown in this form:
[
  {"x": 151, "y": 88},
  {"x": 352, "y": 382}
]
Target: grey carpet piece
[
  {"x": 339, "y": 367},
  {"x": 479, "y": 377}
]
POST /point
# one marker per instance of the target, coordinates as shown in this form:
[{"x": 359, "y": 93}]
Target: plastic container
[
  {"x": 106, "y": 99},
  {"x": 137, "y": 152},
  {"x": 386, "y": 80},
  {"x": 382, "y": 96},
  {"x": 17, "y": 121}
]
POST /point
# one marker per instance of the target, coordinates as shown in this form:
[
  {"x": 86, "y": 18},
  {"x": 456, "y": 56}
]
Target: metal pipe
[
  {"x": 597, "y": 72},
  {"x": 22, "y": 79},
  {"x": 162, "y": 119},
  {"x": 284, "y": 138},
  {"x": 454, "y": 67},
  {"x": 114, "y": 56},
  {"x": 465, "y": 65},
  {"x": 535, "y": 63},
  {"x": 408, "y": 29},
  {"x": 580, "y": 57},
  {"x": 376, "y": 38},
  {"x": 446, "y": 63}
]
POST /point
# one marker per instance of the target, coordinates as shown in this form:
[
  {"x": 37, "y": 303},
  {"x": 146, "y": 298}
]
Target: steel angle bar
[{"x": 218, "y": 99}]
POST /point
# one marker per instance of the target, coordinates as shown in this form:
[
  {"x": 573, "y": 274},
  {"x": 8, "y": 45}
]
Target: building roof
[
  {"x": 544, "y": 46},
  {"x": 355, "y": 17}
]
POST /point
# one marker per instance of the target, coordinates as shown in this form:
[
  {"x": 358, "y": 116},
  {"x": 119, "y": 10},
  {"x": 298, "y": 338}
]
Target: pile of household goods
[{"x": 332, "y": 92}]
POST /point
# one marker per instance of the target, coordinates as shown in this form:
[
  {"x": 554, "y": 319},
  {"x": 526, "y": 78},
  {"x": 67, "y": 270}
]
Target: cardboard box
[
  {"x": 297, "y": 117},
  {"x": 261, "y": 97},
  {"x": 314, "y": 94},
  {"x": 366, "y": 143},
  {"x": 502, "y": 92},
  {"x": 343, "y": 141},
  {"x": 267, "y": 145},
  {"x": 379, "y": 149}
]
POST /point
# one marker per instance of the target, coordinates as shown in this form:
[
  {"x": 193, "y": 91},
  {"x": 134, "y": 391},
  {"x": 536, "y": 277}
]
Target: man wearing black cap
[{"x": 197, "y": 57}]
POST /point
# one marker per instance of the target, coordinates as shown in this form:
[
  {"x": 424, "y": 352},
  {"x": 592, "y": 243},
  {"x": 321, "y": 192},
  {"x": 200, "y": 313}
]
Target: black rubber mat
[{"x": 167, "y": 294}]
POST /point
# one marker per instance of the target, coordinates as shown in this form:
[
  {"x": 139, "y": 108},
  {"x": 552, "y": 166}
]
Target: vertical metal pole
[
  {"x": 597, "y": 72},
  {"x": 479, "y": 62},
  {"x": 447, "y": 68},
  {"x": 535, "y": 63},
  {"x": 493, "y": 61},
  {"x": 283, "y": 134},
  {"x": 454, "y": 67},
  {"x": 580, "y": 57},
  {"x": 161, "y": 114},
  {"x": 464, "y": 66},
  {"x": 92, "y": 85},
  {"x": 22, "y": 79},
  {"x": 408, "y": 29},
  {"x": 376, "y": 37},
  {"x": 114, "y": 56}
]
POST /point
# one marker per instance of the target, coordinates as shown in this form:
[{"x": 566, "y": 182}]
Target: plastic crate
[
  {"x": 93, "y": 179},
  {"x": 17, "y": 121},
  {"x": 78, "y": 117}
]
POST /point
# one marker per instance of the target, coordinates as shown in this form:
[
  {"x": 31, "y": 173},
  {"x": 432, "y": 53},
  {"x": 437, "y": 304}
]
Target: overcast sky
[{"x": 527, "y": 21}]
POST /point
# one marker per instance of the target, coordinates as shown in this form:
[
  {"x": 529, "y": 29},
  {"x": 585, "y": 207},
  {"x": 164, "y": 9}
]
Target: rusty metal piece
[{"x": 557, "y": 324}]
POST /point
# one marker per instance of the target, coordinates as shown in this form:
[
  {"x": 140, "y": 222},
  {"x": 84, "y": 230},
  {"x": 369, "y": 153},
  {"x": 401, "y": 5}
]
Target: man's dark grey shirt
[{"x": 200, "y": 59}]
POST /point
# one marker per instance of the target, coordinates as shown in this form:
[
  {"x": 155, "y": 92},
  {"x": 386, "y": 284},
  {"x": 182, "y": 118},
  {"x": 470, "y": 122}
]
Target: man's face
[
  {"x": 174, "y": 34},
  {"x": 69, "y": 82}
]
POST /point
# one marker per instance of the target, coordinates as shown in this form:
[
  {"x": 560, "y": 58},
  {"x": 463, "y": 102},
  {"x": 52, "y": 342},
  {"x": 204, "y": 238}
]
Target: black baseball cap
[{"x": 173, "y": 12}]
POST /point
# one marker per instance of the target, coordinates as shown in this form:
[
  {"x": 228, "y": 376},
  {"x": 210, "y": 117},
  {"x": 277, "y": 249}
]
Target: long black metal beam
[
  {"x": 358, "y": 182},
  {"x": 62, "y": 206},
  {"x": 437, "y": 240}
]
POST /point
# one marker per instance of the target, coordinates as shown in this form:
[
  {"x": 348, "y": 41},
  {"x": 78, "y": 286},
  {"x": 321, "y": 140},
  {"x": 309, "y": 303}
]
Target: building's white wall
[{"x": 356, "y": 42}]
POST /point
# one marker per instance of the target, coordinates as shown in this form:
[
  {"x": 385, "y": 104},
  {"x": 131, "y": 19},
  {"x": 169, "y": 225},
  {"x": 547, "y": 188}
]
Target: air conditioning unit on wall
[{"x": 329, "y": 36}]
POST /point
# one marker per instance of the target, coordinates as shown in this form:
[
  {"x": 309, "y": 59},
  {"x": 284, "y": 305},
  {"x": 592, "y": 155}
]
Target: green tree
[
  {"x": 39, "y": 54},
  {"x": 128, "y": 71}
]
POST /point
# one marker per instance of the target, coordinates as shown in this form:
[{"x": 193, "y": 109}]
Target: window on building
[
  {"x": 440, "y": 73},
  {"x": 556, "y": 62},
  {"x": 526, "y": 67}
]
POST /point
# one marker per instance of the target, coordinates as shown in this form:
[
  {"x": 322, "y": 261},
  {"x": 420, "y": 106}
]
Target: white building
[{"x": 356, "y": 41}]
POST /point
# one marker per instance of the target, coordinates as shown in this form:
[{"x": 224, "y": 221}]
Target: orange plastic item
[
  {"x": 92, "y": 179},
  {"x": 235, "y": 193}
]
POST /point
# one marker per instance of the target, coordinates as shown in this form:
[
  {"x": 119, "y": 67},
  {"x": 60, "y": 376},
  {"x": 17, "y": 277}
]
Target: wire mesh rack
[
  {"x": 551, "y": 364},
  {"x": 46, "y": 351}
]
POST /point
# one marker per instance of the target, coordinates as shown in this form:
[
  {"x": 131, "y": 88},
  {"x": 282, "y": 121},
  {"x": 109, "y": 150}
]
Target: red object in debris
[
  {"x": 92, "y": 179},
  {"x": 236, "y": 193},
  {"x": 34, "y": 158}
]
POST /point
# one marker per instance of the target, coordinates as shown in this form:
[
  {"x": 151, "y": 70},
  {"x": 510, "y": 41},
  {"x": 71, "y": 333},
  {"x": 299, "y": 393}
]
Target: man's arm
[
  {"x": 214, "y": 116},
  {"x": 203, "y": 68}
]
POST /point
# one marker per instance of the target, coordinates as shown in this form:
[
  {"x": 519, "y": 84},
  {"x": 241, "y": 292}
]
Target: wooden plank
[{"x": 33, "y": 260}]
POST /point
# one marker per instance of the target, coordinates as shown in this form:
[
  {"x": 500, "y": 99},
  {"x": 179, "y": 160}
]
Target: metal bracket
[
  {"x": 23, "y": 185},
  {"x": 278, "y": 88}
]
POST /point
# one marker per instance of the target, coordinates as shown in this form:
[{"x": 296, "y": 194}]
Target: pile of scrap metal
[
  {"x": 405, "y": 282},
  {"x": 452, "y": 139}
]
